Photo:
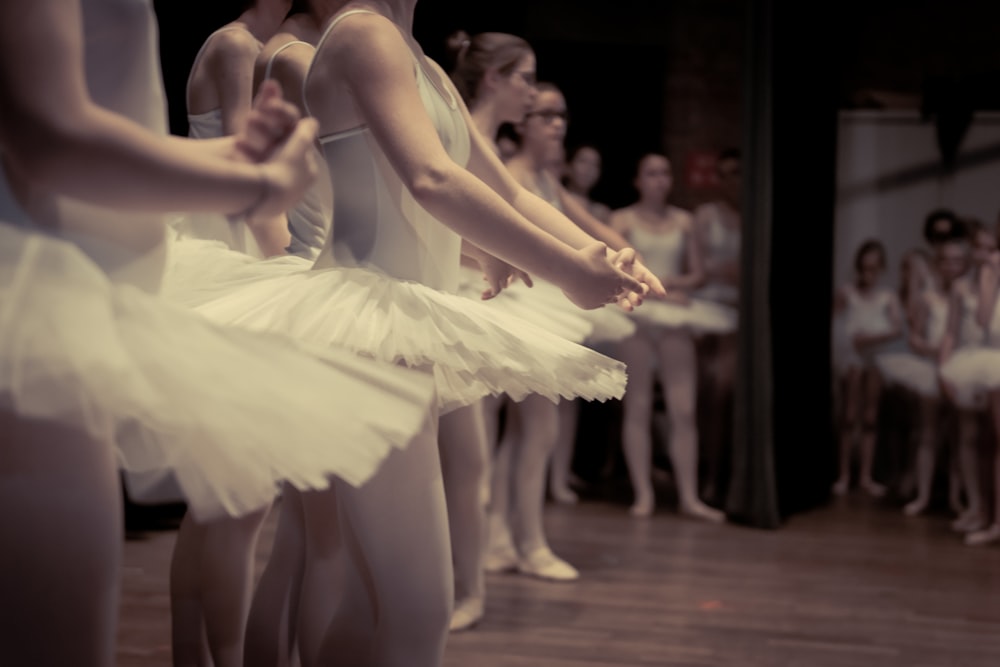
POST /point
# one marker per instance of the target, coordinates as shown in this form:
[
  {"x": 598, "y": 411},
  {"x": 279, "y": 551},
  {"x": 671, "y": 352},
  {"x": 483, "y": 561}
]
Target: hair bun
[{"x": 458, "y": 44}]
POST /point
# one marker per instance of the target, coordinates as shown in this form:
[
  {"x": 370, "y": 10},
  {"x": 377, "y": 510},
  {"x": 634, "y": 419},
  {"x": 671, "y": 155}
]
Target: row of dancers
[
  {"x": 347, "y": 376},
  {"x": 936, "y": 338}
]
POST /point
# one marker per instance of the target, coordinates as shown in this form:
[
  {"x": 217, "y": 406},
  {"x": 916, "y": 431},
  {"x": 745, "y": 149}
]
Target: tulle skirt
[
  {"x": 698, "y": 316},
  {"x": 910, "y": 371},
  {"x": 472, "y": 349},
  {"x": 970, "y": 374},
  {"x": 229, "y": 413}
]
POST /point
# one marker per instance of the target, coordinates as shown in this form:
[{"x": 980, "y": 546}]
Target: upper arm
[
  {"x": 40, "y": 41},
  {"x": 230, "y": 67},
  {"x": 377, "y": 69}
]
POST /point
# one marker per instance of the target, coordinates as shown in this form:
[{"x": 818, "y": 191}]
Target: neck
[
  {"x": 654, "y": 206},
  {"x": 303, "y": 27},
  {"x": 399, "y": 12},
  {"x": 575, "y": 189},
  {"x": 487, "y": 119},
  {"x": 262, "y": 21},
  {"x": 533, "y": 160}
]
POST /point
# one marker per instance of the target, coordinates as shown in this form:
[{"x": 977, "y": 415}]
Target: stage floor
[{"x": 854, "y": 584}]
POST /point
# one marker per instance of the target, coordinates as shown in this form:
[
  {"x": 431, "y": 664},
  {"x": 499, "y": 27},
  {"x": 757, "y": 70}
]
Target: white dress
[
  {"x": 83, "y": 342},
  {"x": 917, "y": 373},
  {"x": 664, "y": 253},
  {"x": 864, "y": 314},
  {"x": 392, "y": 295}
]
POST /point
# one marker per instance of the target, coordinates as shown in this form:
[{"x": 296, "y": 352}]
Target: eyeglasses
[{"x": 549, "y": 115}]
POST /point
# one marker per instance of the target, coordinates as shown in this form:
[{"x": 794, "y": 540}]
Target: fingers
[
  {"x": 269, "y": 89},
  {"x": 267, "y": 125},
  {"x": 525, "y": 278}
]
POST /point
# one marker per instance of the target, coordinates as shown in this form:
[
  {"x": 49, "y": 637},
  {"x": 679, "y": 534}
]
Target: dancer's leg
[
  {"x": 679, "y": 377},
  {"x": 61, "y": 558},
  {"x": 273, "y": 620},
  {"x": 462, "y": 442},
  {"x": 396, "y": 531}
]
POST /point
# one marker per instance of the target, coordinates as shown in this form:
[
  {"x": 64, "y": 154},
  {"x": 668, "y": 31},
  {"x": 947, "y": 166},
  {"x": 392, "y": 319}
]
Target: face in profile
[
  {"x": 515, "y": 92},
  {"x": 585, "y": 168},
  {"x": 655, "y": 178},
  {"x": 544, "y": 126}
]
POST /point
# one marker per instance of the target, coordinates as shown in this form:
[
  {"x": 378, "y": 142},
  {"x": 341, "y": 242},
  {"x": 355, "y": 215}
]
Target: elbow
[
  {"x": 37, "y": 149},
  {"x": 429, "y": 183}
]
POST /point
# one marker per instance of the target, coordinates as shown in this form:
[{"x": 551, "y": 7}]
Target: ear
[{"x": 492, "y": 78}]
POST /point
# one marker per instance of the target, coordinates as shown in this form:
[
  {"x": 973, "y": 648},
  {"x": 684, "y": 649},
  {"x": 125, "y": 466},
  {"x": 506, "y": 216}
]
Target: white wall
[{"x": 874, "y": 145}]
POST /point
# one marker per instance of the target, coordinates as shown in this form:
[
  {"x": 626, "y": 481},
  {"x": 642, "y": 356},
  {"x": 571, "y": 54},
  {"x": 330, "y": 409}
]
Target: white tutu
[
  {"x": 474, "y": 350},
  {"x": 517, "y": 300},
  {"x": 545, "y": 304},
  {"x": 908, "y": 370},
  {"x": 697, "y": 316},
  {"x": 230, "y": 413},
  {"x": 970, "y": 374}
]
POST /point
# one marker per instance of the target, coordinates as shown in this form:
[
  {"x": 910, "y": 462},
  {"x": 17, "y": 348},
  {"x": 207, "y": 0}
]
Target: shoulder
[
  {"x": 233, "y": 43},
  {"x": 364, "y": 38},
  {"x": 705, "y": 213}
]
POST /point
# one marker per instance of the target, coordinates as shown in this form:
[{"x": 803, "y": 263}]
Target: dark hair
[
  {"x": 298, "y": 7},
  {"x": 646, "y": 156},
  {"x": 472, "y": 57},
  {"x": 871, "y": 245},
  {"x": 729, "y": 154},
  {"x": 942, "y": 225},
  {"x": 579, "y": 148}
]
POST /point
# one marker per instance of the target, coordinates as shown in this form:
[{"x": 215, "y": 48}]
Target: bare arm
[
  {"x": 230, "y": 67},
  {"x": 919, "y": 314},
  {"x": 377, "y": 68},
  {"x": 56, "y": 137},
  {"x": 952, "y": 330},
  {"x": 989, "y": 277}
]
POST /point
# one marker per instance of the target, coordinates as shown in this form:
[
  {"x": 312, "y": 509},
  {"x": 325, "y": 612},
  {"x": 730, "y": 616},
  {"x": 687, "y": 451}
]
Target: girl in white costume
[
  {"x": 583, "y": 171},
  {"x": 495, "y": 74},
  {"x": 973, "y": 374},
  {"x": 934, "y": 320},
  {"x": 665, "y": 236},
  {"x": 90, "y": 358},
  {"x": 871, "y": 316},
  {"x": 393, "y": 169}
]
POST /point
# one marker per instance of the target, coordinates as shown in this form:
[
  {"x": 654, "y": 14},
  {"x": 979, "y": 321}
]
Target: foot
[
  {"x": 501, "y": 556},
  {"x": 841, "y": 486},
  {"x": 643, "y": 506},
  {"x": 983, "y": 537},
  {"x": 969, "y": 522},
  {"x": 544, "y": 564},
  {"x": 467, "y": 614},
  {"x": 915, "y": 507},
  {"x": 699, "y": 510},
  {"x": 564, "y": 495},
  {"x": 873, "y": 488}
]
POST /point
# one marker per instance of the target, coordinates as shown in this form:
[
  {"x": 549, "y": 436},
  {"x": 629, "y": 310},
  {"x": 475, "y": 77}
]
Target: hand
[
  {"x": 859, "y": 341},
  {"x": 288, "y": 172},
  {"x": 270, "y": 121},
  {"x": 599, "y": 282},
  {"x": 499, "y": 275}
]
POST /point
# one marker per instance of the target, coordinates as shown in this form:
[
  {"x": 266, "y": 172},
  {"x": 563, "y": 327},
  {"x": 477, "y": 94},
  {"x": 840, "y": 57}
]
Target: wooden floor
[{"x": 851, "y": 585}]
